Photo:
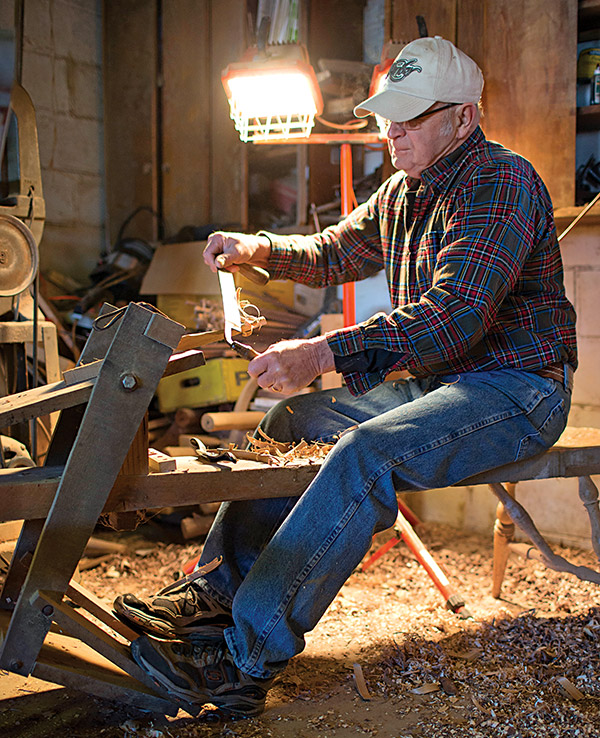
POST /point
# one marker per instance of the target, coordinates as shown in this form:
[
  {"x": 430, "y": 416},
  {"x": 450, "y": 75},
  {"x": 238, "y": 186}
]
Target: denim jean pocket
[
  {"x": 527, "y": 390},
  {"x": 550, "y": 422}
]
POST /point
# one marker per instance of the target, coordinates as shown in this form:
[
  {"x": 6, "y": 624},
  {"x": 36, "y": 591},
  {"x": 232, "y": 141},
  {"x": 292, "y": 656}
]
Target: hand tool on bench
[
  {"x": 231, "y": 309},
  {"x": 202, "y": 452}
]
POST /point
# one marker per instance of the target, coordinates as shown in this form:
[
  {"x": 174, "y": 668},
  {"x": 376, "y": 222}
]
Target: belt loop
[{"x": 568, "y": 377}]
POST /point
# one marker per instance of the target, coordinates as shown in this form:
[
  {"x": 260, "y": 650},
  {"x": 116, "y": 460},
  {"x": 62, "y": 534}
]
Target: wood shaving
[
  {"x": 280, "y": 454},
  {"x": 570, "y": 689},
  {"x": 250, "y": 315},
  {"x": 361, "y": 684},
  {"x": 506, "y": 662},
  {"x": 426, "y": 688}
]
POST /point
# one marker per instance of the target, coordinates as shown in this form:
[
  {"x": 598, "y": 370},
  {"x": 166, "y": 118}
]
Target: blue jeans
[{"x": 285, "y": 559}]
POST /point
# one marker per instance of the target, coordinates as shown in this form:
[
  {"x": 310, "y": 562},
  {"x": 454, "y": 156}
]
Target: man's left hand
[{"x": 289, "y": 366}]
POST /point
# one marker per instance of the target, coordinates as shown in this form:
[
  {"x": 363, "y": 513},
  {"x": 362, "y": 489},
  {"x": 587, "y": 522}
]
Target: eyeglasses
[{"x": 413, "y": 124}]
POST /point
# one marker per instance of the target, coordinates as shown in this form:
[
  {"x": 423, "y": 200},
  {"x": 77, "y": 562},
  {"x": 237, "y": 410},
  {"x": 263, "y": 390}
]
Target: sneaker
[
  {"x": 180, "y": 609},
  {"x": 201, "y": 672}
]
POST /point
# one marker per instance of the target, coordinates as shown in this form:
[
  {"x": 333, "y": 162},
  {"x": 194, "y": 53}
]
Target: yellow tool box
[{"x": 219, "y": 380}]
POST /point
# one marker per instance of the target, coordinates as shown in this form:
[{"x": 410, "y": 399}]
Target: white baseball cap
[{"x": 426, "y": 71}]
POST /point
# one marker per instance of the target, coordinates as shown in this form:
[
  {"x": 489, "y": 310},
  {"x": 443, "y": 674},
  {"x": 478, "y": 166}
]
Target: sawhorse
[{"x": 99, "y": 421}]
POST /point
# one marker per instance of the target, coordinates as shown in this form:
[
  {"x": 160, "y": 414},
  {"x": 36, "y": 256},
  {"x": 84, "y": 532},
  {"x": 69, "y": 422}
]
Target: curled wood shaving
[
  {"x": 284, "y": 453},
  {"x": 250, "y": 315},
  {"x": 361, "y": 684},
  {"x": 570, "y": 689}
]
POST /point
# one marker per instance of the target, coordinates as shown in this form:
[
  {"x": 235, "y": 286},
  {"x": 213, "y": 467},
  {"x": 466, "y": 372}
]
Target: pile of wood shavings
[
  {"x": 429, "y": 673},
  {"x": 280, "y": 454},
  {"x": 528, "y": 673},
  {"x": 508, "y": 670}
]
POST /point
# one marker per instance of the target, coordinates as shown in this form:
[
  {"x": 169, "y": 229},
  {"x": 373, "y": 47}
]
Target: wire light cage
[{"x": 273, "y": 95}]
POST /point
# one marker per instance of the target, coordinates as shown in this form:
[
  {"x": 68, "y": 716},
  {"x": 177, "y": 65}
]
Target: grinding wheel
[{"x": 18, "y": 256}]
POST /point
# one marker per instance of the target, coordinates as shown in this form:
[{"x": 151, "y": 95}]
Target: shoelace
[{"x": 191, "y": 577}]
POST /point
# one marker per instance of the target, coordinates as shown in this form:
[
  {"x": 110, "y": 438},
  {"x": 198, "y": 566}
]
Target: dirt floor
[{"x": 525, "y": 666}]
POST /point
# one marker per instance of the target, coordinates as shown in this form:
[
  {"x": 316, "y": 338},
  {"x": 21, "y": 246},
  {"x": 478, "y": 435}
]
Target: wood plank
[
  {"x": 228, "y": 155},
  {"x": 43, "y": 400},
  {"x": 186, "y": 113},
  {"x": 82, "y": 372},
  {"x": 529, "y": 99},
  {"x": 86, "y": 599},
  {"x": 29, "y": 492},
  {"x": 129, "y": 72},
  {"x": 67, "y": 661},
  {"x": 136, "y": 461},
  {"x": 183, "y": 361}
]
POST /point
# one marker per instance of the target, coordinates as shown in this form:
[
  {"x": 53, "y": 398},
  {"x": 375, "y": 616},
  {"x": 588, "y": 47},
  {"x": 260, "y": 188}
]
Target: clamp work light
[{"x": 273, "y": 94}]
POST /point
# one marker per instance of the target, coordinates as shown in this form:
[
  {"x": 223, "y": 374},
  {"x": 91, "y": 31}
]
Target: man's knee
[{"x": 294, "y": 419}]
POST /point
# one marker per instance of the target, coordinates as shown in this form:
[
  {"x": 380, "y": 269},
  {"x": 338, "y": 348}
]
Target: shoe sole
[
  {"x": 154, "y": 626},
  {"x": 231, "y": 705}
]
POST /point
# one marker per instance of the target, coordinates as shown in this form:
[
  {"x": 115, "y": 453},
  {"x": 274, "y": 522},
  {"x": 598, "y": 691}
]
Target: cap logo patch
[{"x": 401, "y": 68}]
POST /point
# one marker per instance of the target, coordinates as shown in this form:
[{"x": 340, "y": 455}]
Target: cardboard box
[
  {"x": 219, "y": 380},
  {"x": 180, "y": 279},
  {"x": 298, "y": 297}
]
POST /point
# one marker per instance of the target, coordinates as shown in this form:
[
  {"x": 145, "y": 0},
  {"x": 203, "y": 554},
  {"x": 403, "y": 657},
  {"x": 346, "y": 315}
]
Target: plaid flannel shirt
[{"x": 474, "y": 271}]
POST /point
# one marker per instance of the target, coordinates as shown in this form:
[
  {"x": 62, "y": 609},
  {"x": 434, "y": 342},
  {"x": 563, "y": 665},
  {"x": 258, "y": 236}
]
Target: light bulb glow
[
  {"x": 260, "y": 95},
  {"x": 272, "y": 100}
]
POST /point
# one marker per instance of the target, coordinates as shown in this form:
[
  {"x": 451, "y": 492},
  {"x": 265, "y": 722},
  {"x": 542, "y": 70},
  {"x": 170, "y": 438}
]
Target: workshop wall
[{"x": 62, "y": 57}]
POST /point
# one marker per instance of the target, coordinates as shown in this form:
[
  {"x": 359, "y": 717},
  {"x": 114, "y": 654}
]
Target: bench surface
[{"x": 28, "y": 493}]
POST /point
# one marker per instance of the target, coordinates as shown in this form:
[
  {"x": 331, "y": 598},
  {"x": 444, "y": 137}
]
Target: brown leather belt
[{"x": 562, "y": 373}]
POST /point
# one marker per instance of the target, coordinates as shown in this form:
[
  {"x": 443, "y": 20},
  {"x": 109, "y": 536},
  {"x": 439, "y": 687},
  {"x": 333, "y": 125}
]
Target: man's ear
[{"x": 468, "y": 118}]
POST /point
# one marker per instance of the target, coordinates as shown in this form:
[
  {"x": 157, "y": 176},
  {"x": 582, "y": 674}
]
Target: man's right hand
[{"x": 225, "y": 250}]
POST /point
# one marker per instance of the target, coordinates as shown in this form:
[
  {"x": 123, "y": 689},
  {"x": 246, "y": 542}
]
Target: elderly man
[{"x": 465, "y": 233}]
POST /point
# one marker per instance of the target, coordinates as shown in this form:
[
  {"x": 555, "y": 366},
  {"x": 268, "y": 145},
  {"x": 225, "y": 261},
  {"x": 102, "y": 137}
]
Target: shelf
[
  {"x": 564, "y": 216},
  {"x": 589, "y": 10},
  {"x": 588, "y": 118},
  {"x": 589, "y": 20}
]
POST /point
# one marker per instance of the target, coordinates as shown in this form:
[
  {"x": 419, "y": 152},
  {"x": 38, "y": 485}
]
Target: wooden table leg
[{"x": 504, "y": 530}]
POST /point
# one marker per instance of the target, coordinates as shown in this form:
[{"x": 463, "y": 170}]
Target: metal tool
[
  {"x": 231, "y": 312},
  {"x": 202, "y": 452}
]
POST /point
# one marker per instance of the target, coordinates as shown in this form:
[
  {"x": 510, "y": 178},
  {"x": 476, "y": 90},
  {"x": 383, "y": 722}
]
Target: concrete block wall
[{"x": 62, "y": 72}]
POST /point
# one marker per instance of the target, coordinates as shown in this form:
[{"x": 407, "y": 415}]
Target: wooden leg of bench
[
  {"x": 504, "y": 530},
  {"x": 588, "y": 494},
  {"x": 523, "y": 519}
]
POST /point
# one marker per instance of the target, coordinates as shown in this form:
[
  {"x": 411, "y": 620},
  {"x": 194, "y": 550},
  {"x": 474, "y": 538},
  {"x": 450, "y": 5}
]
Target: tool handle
[
  {"x": 243, "y": 350},
  {"x": 255, "y": 274}
]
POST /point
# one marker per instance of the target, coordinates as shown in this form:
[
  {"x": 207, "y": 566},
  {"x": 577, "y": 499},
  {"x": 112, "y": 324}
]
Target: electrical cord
[{"x": 348, "y": 126}]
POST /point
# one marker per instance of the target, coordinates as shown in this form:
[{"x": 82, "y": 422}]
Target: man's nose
[{"x": 395, "y": 129}]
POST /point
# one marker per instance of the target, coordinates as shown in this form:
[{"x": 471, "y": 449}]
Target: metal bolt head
[
  {"x": 47, "y": 610},
  {"x": 129, "y": 382},
  {"x": 16, "y": 665}
]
